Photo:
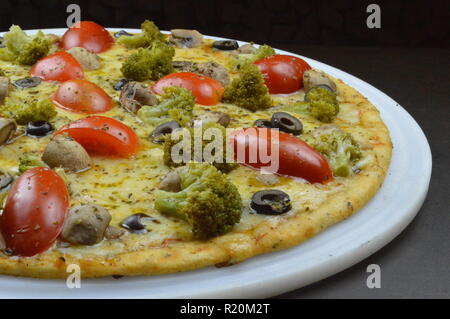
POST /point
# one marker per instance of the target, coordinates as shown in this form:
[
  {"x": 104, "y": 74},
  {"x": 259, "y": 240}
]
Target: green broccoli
[
  {"x": 23, "y": 113},
  {"x": 29, "y": 161},
  {"x": 248, "y": 91},
  {"x": 339, "y": 147},
  {"x": 323, "y": 104},
  {"x": 149, "y": 64},
  {"x": 212, "y": 152},
  {"x": 23, "y": 49},
  {"x": 208, "y": 201},
  {"x": 176, "y": 104},
  {"x": 150, "y": 33},
  {"x": 263, "y": 51}
]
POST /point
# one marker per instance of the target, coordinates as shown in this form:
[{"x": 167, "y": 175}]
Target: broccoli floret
[
  {"x": 208, "y": 201},
  {"x": 23, "y": 113},
  {"x": 263, "y": 51},
  {"x": 212, "y": 152},
  {"x": 34, "y": 51},
  {"x": 248, "y": 91},
  {"x": 29, "y": 161},
  {"x": 149, "y": 64},
  {"x": 323, "y": 104},
  {"x": 177, "y": 104},
  {"x": 339, "y": 147},
  {"x": 150, "y": 33},
  {"x": 24, "y": 49}
]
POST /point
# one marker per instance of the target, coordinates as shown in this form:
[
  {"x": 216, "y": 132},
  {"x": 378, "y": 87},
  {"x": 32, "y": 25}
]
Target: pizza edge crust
[{"x": 233, "y": 247}]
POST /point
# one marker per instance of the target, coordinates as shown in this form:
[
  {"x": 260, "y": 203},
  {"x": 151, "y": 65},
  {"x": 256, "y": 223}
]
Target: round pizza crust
[{"x": 234, "y": 247}]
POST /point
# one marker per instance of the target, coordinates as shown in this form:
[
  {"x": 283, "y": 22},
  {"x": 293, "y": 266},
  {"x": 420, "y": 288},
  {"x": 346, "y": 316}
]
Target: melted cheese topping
[{"x": 126, "y": 187}]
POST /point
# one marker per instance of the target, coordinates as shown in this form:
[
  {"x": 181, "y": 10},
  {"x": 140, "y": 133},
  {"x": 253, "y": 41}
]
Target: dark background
[
  {"x": 333, "y": 22},
  {"x": 408, "y": 59}
]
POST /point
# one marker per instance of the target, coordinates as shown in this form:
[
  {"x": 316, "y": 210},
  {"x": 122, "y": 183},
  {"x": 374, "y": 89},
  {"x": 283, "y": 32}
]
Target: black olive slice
[
  {"x": 120, "y": 84},
  {"x": 226, "y": 45},
  {"x": 263, "y": 123},
  {"x": 157, "y": 135},
  {"x": 122, "y": 32},
  {"x": 5, "y": 180},
  {"x": 28, "y": 82},
  {"x": 323, "y": 86},
  {"x": 270, "y": 202},
  {"x": 39, "y": 129},
  {"x": 134, "y": 224},
  {"x": 287, "y": 123}
]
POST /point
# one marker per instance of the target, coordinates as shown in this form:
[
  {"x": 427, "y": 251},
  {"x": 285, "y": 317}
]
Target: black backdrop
[{"x": 413, "y": 23}]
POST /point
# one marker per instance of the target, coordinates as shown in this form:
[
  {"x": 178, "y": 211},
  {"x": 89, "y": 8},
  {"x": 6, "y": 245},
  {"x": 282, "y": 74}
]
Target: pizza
[{"x": 151, "y": 153}]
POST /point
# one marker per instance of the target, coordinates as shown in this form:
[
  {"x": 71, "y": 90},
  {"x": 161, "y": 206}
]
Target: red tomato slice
[
  {"x": 81, "y": 96},
  {"x": 89, "y": 35},
  {"x": 103, "y": 136},
  {"x": 207, "y": 91},
  {"x": 59, "y": 66},
  {"x": 283, "y": 73},
  {"x": 35, "y": 211},
  {"x": 257, "y": 147}
]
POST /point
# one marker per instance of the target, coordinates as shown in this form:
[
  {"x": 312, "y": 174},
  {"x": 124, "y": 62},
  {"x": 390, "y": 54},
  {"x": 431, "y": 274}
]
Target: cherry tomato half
[
  {"x": 59, "y": 66},
  {"x": 103, "y": 136},
  {"x": 207, "y": 91},
  {"x": 81, "y": 96},
  {"x": 283, "y": 73},
  {"x": 89, "y": 35},
  {"x": 35, "y": 211},
  {"x": 280, "y": 153}
]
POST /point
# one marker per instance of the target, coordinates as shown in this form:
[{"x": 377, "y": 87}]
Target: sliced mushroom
[
  {"x": 268, "y": 179},
  {"x": 135, "y": 95},
  {"x": 171, "y": 182},
  {"x": 186, "y": 38},
  {"x": 211, "y": 69},
  {"x": 63, "y": 151},
  {"x": 114, "y": 232},
  {"x": 185, "y": 66},
  {"x": 7, "y": 129},
  {"x": 87, "y": 60},
  {"x": 4, "y": 88},
  {"x": 213, "y": 116},
  {"x": 214, "y": 70},
  {"x": 246, "y": 49},
  {"x": 313, "y": 78},
  {"x": 86, "y": 224}
]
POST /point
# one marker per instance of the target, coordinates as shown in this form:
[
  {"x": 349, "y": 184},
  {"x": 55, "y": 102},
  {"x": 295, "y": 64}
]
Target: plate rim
[{"x": 279, "y": 282}]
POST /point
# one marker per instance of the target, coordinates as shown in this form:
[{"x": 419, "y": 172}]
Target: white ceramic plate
[{"x": 335, "y": 249}]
